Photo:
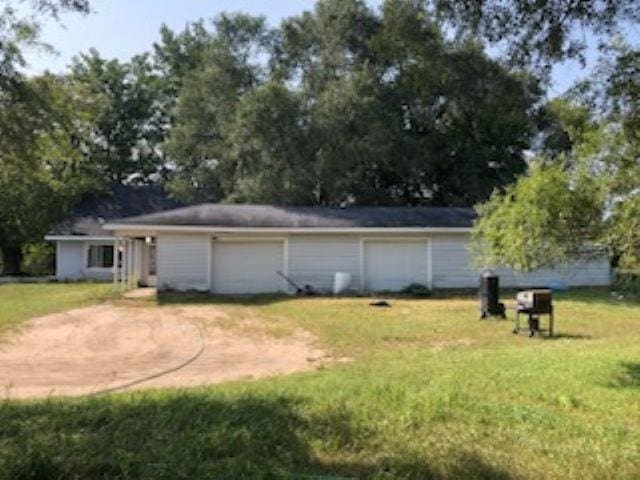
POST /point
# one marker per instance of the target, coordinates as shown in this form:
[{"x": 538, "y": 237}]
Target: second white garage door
[
  {"x": 241, "y": 267},
  {"x": 392, "y": 265}
]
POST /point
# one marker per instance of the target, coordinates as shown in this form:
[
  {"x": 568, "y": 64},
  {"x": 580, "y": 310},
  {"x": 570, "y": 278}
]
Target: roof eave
[
  {"x": 124, "y": 227},
  {"x": 56, "y": 237}
]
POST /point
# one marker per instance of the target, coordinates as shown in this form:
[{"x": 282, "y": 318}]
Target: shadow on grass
[
  {"x": 598, "y": 296},
  {"x": 205, "y": 298},
  {"x": 174, "y": 298},
  {"x": 567, "y": 336},
  {"x": 197, "y": 435},
  {"x": 629, "y": 377}
]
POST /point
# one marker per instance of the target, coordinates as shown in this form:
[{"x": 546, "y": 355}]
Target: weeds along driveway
[{"x": 111, "y": 346}]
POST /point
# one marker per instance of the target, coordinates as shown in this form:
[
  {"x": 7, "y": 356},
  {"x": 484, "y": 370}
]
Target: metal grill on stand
[{"x": 534, "y": 304}]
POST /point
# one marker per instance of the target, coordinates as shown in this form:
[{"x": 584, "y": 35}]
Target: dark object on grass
[
  {"x": 534, "y": 303},
  {"x": 490, "y": 304},
  {"x": 380, "y": 303},
  {"x": 305, "y": 290}
]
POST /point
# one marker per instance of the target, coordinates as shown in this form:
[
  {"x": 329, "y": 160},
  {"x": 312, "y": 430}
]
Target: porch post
[
  {"x": 131, "y": 272},
  {"x": 116, "y": 242},
  {"x": 128, "y": 250},
  {"x": 138, "y": 261},
  {"x": 123, "y": 271}
]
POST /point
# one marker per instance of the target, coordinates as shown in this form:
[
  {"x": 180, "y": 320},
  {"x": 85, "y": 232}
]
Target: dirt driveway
[{"x": 101, "y": 347}]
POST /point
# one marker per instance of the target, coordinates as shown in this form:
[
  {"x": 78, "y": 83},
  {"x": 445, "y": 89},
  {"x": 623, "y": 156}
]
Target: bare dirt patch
[{"x": 91, "y": 349}]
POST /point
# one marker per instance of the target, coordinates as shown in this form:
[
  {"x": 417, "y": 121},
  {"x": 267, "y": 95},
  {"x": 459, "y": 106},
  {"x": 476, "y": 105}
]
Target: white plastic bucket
[{"x": 341, "y": 282}]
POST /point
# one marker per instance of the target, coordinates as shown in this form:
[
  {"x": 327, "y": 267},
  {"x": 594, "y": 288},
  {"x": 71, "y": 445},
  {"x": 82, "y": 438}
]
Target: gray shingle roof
[
  {"x": 89, "y": 216},
  {"x": 265, "y": 216}
]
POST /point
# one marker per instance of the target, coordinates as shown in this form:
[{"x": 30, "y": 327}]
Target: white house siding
[
  {"x": 450, "y": 262},
  {"x": 453, "y": 268},
  {"x": 591, "y": 273},
  {"x": 314, "y": 259},
  {"x": 182, "y": 261},
  {"x": 187, "y": 262},
  {"x": 71, "y": 261}
]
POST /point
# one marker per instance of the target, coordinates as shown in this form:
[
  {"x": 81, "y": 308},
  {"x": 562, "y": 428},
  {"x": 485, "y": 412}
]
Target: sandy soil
[{"x": 90, "y": 349}]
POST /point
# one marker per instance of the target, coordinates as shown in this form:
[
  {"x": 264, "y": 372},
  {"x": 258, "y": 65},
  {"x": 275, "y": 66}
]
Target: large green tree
[
  {"x": 376, "y": 108},
  {"x": 41, "y": 169},
  {"x": 36, "y": 166}
]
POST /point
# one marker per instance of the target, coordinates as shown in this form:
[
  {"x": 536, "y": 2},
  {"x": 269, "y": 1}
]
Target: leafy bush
[
  {"x": 417, "y": 289},
  {"x": 627, "y": 281},
  {"x": 38, "y": 259}
]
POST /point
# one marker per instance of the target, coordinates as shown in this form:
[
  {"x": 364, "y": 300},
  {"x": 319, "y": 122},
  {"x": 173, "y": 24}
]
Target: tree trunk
[{"x": 11, "y": 259}]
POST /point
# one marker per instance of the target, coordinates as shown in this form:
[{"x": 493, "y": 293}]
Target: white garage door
[
  {"x": 247, "y": 267},
  {"x": 392, "y": 265}
]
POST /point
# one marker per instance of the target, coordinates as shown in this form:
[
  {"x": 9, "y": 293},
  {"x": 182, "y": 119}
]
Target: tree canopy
[
  {"x": 539, "y": 33},
  {"x": 127, "y": 121},
  {"x": 41, "y": 170},
  {"x": 348, "y": 105},
  {"x": 548, "y": 217}
]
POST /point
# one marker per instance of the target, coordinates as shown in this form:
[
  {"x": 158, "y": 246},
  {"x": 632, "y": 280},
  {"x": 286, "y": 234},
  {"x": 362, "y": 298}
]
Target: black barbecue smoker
[{"x": 490, "y": 304}]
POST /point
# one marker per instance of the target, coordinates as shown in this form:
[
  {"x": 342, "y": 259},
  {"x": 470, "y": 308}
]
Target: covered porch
[{"x": 134, "y": 263}]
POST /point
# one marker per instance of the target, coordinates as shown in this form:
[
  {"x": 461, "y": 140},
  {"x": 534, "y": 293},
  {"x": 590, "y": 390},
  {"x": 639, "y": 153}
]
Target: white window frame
[{"x": 88, "y": 246}]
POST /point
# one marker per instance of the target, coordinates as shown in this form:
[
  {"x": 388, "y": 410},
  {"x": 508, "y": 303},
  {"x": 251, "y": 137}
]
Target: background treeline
[{"x": 342, "y": 104}]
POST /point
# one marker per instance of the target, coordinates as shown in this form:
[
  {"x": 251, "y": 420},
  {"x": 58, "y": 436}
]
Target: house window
[{"x": 100, "y": 256}]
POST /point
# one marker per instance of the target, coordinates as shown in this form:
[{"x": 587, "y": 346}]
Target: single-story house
[
  {"x": 84, "y": 249},
  {"x": 238, "y": 249}
]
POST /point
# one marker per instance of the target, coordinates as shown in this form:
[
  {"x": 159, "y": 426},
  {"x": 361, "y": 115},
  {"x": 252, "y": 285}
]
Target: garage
[
  {"x": 394, "y": 264},
  {"x": 248, "y": 266}
]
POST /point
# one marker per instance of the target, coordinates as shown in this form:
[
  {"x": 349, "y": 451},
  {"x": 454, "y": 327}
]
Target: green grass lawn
[
  {"x": 431, "y": 392},
  {"x": 19, "y": 302}
]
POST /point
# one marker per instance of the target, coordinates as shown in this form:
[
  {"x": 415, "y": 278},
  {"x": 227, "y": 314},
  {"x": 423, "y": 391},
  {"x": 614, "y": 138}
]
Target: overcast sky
[{"x": 122, "y": 28}]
